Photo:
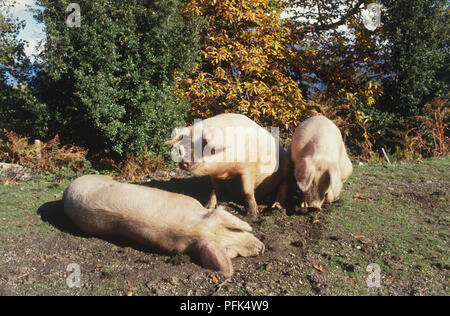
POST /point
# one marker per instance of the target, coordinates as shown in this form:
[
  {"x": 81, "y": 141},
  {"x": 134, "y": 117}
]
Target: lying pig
[
  {"x": 230, "y": 146},
  {"x": 321, "y": 163},
  {"x": 100, "y": 206}
]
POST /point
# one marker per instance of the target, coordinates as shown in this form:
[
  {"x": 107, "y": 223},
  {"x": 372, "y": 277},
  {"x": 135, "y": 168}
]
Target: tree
[
  {"x": 319, "y": 16},
  {"x": 14, "y": 69},
  {"x": 417, "y": 34},
  {"x": 108, "y": 84},
  {"x": 337, "y": 57},
  {"x": 245, "y": 63},
  {"x": 372, "y": 79},
  {"x": 339, "y": 62},
  {"x": 12, "y": 50}
]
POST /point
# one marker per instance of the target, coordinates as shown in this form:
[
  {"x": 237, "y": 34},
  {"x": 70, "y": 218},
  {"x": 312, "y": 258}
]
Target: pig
[
  {"x": 230, "y": 146},
  {"x": 101, "y": 206},
  {"x": 320, "y": 161}
]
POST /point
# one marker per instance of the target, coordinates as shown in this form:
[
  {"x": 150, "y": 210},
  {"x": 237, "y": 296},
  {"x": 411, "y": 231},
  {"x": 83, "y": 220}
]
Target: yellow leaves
[
  {"x": 362, "y": 119},
  {"x": 243, "y": 65},
  {"x": 363, "y": 93},
  {"x": 220, "y": 73},
  {"x": 244, "y": 104}
]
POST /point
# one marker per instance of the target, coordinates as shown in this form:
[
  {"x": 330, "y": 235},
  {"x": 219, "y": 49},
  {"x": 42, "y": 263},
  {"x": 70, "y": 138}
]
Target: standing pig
[
  {"x": 321, "y": 163},
  {"x": 172, "y": 222},
  {"x": 230, "y": 146}
]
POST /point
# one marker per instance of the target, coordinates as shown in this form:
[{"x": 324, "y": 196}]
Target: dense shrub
[
  {"x": 116, "y": 84},
  {"x": 108, "y": 85},
  {"x": 416, "y": 36}
]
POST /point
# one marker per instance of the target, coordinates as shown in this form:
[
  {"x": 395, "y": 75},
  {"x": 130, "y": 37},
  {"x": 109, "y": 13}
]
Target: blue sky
[{"x": 33, "y": 32}]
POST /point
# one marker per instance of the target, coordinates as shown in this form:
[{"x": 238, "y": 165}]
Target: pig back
[
  {"x": 101, "y": 206},
  {"x": 318, "y": 137},
  {"x": 262, "y": 151}
]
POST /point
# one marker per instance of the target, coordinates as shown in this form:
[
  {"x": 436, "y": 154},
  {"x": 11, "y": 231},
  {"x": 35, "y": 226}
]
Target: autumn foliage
[
  {"x": 245, "y": 53},
  {"x": 48, "y": 156},
  {"x": 241, "y": 56}
]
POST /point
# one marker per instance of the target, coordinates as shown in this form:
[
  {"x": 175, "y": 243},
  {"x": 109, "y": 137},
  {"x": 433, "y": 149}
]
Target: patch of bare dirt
[{"x": 37, "y": 263}]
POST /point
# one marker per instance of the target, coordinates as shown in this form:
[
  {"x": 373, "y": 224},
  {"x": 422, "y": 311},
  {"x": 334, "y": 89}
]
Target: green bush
[
  {"x": 417, "y": 36},
  {"x": 108, "y": 85}
]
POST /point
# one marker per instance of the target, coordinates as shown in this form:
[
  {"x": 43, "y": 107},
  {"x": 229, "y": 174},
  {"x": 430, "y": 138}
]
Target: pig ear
[
  {"x": 304, "y": 173},
  {"x": 214, "y": 257},
  {"x": 178, "y": 135},
  {"x": 228, "y": 220}
]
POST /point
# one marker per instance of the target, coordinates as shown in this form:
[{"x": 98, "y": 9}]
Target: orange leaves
[
  {"x": 319, "y": 268},
  {"x": 359, "y": 196},
  {"x": 244, "y": 63},
  {"x": 214, "y": 279},
  {"x": 392, "y": 279}
]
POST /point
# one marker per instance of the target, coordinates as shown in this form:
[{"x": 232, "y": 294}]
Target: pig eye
[{"x": 211, "y": 150}]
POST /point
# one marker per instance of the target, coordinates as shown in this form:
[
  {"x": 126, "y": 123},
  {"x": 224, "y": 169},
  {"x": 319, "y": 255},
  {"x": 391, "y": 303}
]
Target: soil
[{"x": 36, "y": 262}]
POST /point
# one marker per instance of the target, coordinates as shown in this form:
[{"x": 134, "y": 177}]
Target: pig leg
[
  {"x": 286, "y": 183},
  {"x": 214, "y": 257},
  {"x": 281, "y": 196},
  {"x": 248, "y": 188},
  {"x": 212, "y": 203}
]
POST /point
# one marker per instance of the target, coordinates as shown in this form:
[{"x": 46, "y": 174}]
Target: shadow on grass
[
  {"x": 53, "y": 214},
  {"x": 199, "y": 188},
  {"x": 230, "y": 191}
]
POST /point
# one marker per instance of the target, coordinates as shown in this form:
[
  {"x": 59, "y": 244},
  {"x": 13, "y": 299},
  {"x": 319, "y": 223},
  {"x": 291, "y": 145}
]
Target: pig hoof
[
  {"x": 252, "y": 213},
  {"x": 256, "y": 250},
  {"x": 277, "y": 205}
]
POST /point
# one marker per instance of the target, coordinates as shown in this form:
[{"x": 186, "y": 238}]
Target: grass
[
  {"x": 19, "y": 203},
  {"x": 395, "y": 216}
]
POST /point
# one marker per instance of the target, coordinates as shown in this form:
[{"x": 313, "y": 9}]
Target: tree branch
[{"x": 351, "y": 12}]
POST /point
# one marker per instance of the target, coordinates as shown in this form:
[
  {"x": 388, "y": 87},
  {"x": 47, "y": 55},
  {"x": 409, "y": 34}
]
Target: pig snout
[
  {"x": 313, "y": 207},
  {"x": 184, "y": 165}
]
